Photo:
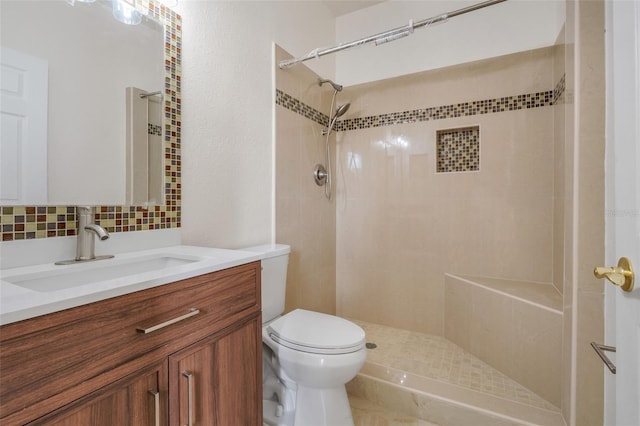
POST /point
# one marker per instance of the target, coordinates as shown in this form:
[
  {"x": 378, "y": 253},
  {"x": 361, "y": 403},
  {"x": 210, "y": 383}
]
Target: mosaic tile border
[
  {"x": 24, "y": 223},
  {"x": 464, "y": 109},
  {"x": 458, "y": 150},
  {"x": 154, "y": 129},
  {"x": 558, "y": 91},
  {"x": 29, "y": 222},
  {"x": 292, "y": 104}
]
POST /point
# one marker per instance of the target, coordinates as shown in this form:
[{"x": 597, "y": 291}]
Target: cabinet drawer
[{"x": 49, "y": 361}]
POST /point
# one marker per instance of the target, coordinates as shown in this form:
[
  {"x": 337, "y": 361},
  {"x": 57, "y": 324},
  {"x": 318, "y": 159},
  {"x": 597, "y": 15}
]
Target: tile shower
[
  {"x": 401, "y": 225},
  {"x": 445, "y": 171}
]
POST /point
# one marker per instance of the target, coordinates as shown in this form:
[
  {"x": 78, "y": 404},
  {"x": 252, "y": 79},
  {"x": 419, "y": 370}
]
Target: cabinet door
[
  {"x": 219, "y": 380},
  {"x": 135, "y": 401}
]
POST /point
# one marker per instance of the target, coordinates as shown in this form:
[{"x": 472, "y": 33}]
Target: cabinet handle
[
  {"x": 156, "y": 406},
  {"x": 192, "y": 312},
  {"x": 189, "y": 377}
]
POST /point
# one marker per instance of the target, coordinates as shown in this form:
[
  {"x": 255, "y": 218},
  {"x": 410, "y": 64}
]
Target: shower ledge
[
  {"x": 514, "y": 326},
  {"x": 542, "y": 295}
]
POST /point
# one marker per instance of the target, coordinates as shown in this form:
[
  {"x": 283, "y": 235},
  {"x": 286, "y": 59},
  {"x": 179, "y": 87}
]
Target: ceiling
[{"x": 342, "y": 7}]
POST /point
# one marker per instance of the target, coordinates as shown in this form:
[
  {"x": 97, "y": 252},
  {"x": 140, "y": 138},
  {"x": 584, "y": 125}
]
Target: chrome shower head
[
  {"x": 339, "y": 113},
  {"x": 341, "y": 110},
  {"x": 336, "y": 87}
]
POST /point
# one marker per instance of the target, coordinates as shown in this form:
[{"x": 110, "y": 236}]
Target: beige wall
[
  {"x": 401, "y": 226},
  {"x": 559, "y": 200},
  {"x": 227, "y": 126},
  {"x": 305, "y": 218},
  {"x": 584, "y": 212}
]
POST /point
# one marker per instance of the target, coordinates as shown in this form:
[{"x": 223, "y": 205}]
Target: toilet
[{"x": 307, "y": 357}]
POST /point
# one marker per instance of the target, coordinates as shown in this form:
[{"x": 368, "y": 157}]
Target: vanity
[{"x": 177, "y": 344}]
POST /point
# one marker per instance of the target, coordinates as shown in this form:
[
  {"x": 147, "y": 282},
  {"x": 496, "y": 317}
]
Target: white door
[
  {"x": 23, "y": 140},
  {"x": 622, "y": 390}
]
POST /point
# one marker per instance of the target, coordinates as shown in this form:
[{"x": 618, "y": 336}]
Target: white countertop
[{"x": 19, "y": 303}]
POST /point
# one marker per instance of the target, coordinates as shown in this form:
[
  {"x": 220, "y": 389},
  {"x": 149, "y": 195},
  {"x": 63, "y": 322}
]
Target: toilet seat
[{"x": 317, "y": 333}]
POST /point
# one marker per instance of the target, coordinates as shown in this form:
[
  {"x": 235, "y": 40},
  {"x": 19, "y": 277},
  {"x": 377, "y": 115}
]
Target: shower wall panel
[
  {"x": 401, "y": 225},
  {"x": 305, "y": 219}
]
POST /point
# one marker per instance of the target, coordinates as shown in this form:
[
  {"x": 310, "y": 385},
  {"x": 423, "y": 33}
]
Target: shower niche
[{"x": 458, "y": 150}]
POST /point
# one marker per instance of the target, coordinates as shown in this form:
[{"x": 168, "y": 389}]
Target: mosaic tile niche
[
  {"x": 458, "y": 150},
  {"x": 30, "y": 222}
]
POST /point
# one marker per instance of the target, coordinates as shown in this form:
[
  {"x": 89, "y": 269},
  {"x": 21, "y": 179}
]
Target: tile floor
[{"x": 435, "y": 358}]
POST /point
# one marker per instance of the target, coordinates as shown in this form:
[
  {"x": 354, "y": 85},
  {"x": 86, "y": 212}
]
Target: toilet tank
[{"x": 274, "y": 278}]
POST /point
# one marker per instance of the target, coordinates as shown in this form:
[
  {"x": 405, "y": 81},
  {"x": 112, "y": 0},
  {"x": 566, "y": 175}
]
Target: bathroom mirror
[{"x": 91, "y": 58}]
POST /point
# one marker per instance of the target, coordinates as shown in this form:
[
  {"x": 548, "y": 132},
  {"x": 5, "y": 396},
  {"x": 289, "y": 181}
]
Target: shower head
[
  {"x": 336, "y": 87},
  {"x": 339, "y": 113},
  {"x": 341, "y": 110}
]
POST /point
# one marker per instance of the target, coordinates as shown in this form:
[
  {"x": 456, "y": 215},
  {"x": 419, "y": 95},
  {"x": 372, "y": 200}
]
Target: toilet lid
[{"x": 315, "y": 332}]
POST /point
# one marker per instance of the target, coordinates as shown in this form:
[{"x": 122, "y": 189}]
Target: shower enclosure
[{"x": 423, "y": 190}]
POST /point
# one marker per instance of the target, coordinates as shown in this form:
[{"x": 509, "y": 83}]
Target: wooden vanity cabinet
[
  {"x": 139, "y": 400},
  {"x": 211, "y": 382},
  {"x": 91, "y": 365}
]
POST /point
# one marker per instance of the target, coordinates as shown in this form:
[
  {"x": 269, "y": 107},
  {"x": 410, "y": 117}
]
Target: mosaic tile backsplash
[
  {"x": 458, "y": 150},
  {"x": 28, "y": 222},
  {"x": 22, "y": 222}
]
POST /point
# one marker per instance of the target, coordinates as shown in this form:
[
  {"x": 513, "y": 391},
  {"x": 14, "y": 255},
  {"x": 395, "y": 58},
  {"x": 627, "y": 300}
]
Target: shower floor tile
[{"x": 428, "y": 358}]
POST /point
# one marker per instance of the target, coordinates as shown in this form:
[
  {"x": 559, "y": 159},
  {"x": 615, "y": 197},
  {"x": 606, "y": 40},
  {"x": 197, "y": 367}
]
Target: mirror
[{"x": 91, "y": 58}]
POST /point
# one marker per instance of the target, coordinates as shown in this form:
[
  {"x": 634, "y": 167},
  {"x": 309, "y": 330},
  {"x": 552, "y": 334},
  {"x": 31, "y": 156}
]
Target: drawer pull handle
[
  {"x": 156, "y": 406},
  {"x": 192, "y": 312},
  {"x": 189, "y": 377}
]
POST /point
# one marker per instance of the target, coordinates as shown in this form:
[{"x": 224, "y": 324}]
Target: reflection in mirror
[
  {"x": 91, "y": 59},
  {"x": 144, "y": 147},
  {"x": 56, "y": 218}
]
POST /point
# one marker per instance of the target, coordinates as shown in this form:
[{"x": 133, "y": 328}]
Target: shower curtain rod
[{"x": 387, "y": 36}]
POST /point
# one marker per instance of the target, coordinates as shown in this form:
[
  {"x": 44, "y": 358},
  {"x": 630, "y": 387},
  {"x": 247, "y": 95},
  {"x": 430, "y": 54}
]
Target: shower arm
[{"x": 386, "y": 36}]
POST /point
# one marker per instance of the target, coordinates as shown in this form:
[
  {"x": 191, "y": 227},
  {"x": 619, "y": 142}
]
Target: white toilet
[{"x": 307, "y": 356}]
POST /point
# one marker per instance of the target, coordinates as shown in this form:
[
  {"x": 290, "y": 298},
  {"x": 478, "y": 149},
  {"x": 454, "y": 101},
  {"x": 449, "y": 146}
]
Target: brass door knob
[{"x": 621, "y": 275}]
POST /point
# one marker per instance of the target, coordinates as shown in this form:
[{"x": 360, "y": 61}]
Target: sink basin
[
  {"x": 44, "y": 288},
  {"x": 93, "y": 272}
]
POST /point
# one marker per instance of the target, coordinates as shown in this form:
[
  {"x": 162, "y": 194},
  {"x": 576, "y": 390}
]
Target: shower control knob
[{"x": 320, "y": 175}]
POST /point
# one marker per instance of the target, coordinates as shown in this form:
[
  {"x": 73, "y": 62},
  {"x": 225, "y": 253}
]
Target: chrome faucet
[{"x": 87, "y": 231}]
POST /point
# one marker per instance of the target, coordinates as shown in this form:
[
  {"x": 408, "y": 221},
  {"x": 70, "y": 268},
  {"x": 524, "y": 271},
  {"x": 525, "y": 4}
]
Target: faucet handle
[{"x": 84, "y": 210}]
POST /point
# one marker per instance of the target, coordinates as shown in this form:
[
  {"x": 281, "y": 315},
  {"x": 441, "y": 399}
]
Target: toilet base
[
  {"x": 322, "y": 407},
  {"x": 314, "y": 407},
  {"x": 273, "y": 414}
]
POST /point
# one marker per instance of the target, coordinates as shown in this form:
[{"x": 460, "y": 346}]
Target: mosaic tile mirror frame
[{"x": 29, "y": 222}]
